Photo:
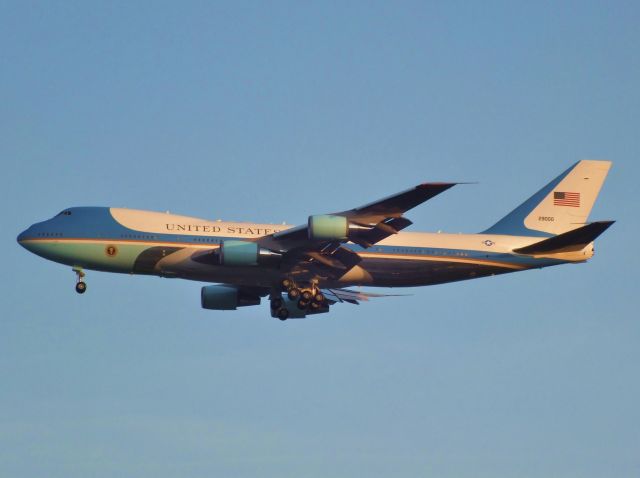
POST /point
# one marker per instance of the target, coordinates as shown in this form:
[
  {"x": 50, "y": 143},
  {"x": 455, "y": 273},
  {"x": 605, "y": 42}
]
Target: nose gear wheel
[{"x": 81, "y": 286}]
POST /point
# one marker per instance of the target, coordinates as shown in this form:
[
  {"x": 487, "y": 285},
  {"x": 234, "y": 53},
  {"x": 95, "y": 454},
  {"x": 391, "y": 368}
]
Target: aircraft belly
[
  {"x": 181, "y": 265},
  {"x": 372, "y": 271},
  {"x": 409, "y": 273}
]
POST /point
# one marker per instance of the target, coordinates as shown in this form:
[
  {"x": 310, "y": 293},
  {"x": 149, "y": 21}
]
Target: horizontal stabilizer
[{"x": 573, "y": 240}]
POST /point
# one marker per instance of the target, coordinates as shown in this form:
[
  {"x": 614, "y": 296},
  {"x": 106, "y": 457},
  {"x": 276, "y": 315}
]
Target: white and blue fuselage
[
  {"x": 312, "y": 263},
  {"x": 167, "y": 245}
]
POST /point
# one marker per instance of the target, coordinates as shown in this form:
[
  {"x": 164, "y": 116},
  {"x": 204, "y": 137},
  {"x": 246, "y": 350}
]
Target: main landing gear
[
  {"x": 279, "y": 309},
  {"x": 306, "y": 300},
  {"x": 81, "y": 286}
]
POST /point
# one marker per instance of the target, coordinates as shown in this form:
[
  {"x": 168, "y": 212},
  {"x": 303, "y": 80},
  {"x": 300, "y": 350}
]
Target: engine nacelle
[
  {"x": 224, "y": 297},
  {"x": 334, "y": 228},
  {"x": 328, "y": 228},
  {"x": 245, "y": 253}
]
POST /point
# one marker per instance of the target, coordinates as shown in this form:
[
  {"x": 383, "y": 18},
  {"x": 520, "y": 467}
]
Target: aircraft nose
[
  {"x": 28, "y": 240},
  {"x": 22, "y": 236}
]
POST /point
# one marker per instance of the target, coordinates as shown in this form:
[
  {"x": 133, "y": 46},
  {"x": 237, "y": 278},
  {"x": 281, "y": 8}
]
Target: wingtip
[
  {"x": 436, "y": 184},
  {"x": 604, "y": 223},
  {"x": 447, "y": 184}
]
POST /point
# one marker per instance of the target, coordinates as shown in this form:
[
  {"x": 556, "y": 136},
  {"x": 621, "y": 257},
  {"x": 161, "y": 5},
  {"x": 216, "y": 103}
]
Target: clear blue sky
[{"x": 270, "y": 111}]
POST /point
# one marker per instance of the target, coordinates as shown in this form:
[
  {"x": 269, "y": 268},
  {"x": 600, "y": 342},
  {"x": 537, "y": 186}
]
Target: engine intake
[
  {"x": 224, "y": 297},
  {"x": 245, "y": 253},
  {"x": 334, "y": 228},
  {"x": 328, "y": 228}
]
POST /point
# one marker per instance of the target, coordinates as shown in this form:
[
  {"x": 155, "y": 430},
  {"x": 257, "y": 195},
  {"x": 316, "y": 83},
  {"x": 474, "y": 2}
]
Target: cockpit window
[{"x": 64, "y": 213}]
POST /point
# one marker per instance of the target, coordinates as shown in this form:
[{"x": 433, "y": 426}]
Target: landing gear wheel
[
  {"x": 307, "y": 295},
  {"x": 303, "y": 304},
  {"x": 294, "y": 293},
  {"x": 315, "y": 305},
  {"x": 81, "y": 286},
  {"x": 319, "y": 298},
  {"x": 283, "y": 314},
  {"x": 276, "y": 303},
  {"x": 287, "y": 284}
]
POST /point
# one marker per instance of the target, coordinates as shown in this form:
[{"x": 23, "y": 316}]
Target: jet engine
[
  {"x": 326, "y": 227},
  {"x": 245, "y": 253},
  {"x": 224, "y": 297}
]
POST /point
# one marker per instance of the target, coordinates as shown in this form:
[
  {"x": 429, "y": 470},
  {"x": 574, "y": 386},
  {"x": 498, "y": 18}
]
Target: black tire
[
  {"x": 276, "y": 303},
  {"x": 307, "y": 295},
  {"x": 283, "y": 314},
  {"x": 81, "y": 287},
  {"x": 303, "y": 304},
  {"x": 319, "y": 298},
  {"x": 287, "y": 284},
  {"x": 315, "y": 305},
  {"x": 294, "y": 293}
]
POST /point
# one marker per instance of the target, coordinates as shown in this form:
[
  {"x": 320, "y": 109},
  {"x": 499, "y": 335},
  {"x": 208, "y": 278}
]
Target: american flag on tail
[{"x": 566, "y": 199}]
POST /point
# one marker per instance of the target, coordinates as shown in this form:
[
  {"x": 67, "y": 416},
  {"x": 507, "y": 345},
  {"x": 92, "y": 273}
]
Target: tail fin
[{"x": 560, "y": 206}]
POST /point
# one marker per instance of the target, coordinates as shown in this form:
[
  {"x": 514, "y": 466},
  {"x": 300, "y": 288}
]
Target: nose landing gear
[{"x": 81, "y": 286}]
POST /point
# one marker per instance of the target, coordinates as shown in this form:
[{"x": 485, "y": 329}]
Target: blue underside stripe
[{"x": 398, "y": 252}]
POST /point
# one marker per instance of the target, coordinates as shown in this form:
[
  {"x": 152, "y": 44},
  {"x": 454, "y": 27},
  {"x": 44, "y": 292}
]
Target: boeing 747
[{"x": 304, "y": 270}]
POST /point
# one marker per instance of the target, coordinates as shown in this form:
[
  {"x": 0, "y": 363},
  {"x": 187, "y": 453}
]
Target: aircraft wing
[
  {"x": 320, "y": 240},
  {"x": 254, "y": 293},
  {"x": 396, "y": 205},
  {"x": 351, "y": 296}
]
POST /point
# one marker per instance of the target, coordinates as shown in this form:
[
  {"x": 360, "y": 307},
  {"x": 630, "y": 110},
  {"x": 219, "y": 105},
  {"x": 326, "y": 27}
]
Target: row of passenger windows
[
  {"x": 413, "y": 250},
  {"x": 148, "y": 237},
  {"x": 137, "y": 236},
  {"x": 49, "y": 234},
  {"x": 207, "y": 239}
]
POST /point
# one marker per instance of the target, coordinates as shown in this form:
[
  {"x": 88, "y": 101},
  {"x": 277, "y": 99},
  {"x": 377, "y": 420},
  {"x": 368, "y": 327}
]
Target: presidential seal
[{"x": 111, "y": 251}]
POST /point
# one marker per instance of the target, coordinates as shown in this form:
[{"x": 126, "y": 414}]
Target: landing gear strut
[
  {"x": 306, "y": 298},
  {"x": 276, "y": 303},
  {"x": 81, "y": 286}
]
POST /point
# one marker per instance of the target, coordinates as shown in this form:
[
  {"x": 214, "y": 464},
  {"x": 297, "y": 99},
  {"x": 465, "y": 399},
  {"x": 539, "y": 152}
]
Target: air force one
[{"x": 306, "y": 269}]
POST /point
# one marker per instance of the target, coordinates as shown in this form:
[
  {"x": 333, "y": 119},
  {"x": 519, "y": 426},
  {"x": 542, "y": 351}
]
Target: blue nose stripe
[{"x": 22, "y": 236}]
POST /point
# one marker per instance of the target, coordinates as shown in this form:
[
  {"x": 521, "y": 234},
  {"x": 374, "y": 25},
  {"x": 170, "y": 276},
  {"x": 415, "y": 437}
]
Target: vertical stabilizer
[{"x": 562, "y": 205}]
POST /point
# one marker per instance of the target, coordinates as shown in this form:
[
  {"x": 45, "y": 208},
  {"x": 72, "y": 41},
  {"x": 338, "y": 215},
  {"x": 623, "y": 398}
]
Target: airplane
[{"x": 306, "y": 269}]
